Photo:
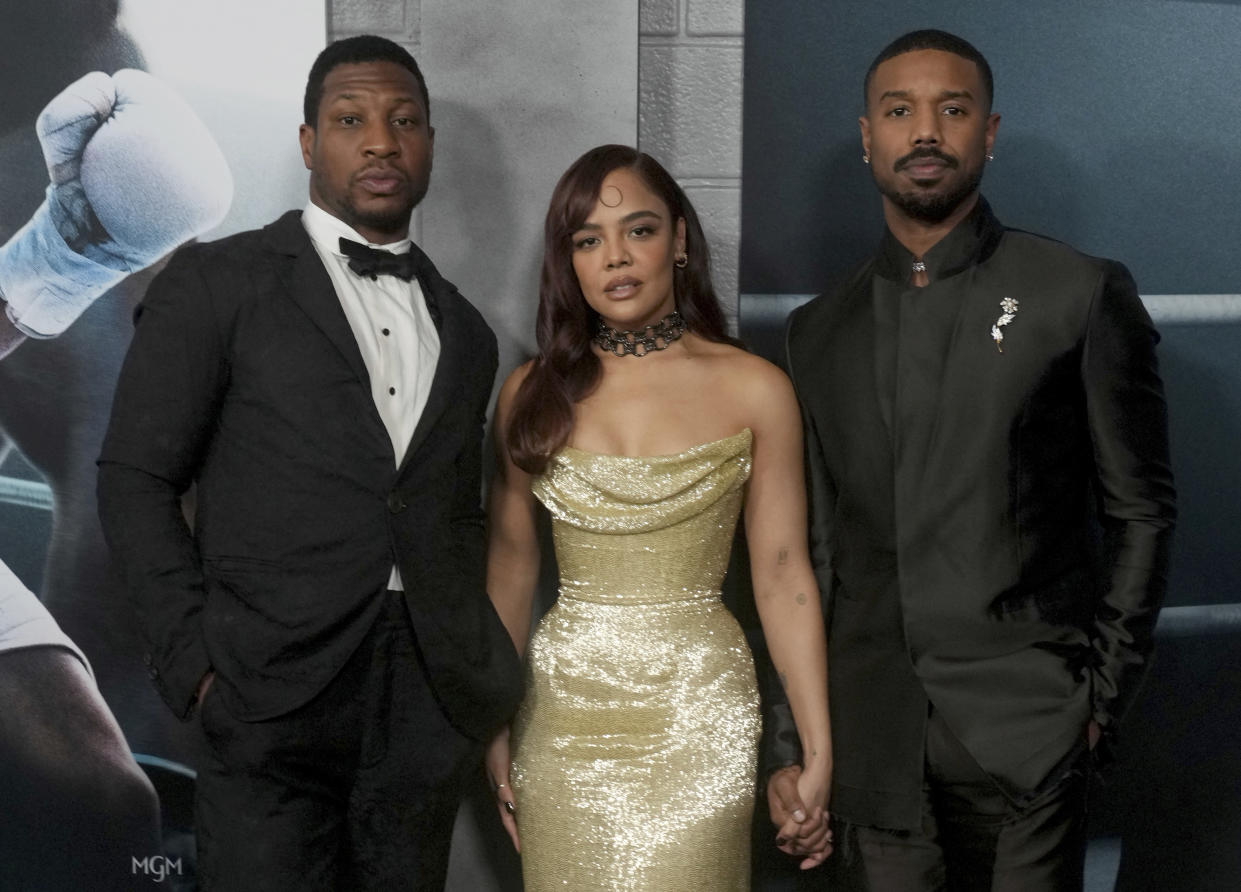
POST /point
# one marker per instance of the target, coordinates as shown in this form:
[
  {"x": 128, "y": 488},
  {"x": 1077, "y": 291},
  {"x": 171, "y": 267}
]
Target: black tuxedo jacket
[
  {"x": 990, "y": 528},
  {"x": 244, "y": 378}
]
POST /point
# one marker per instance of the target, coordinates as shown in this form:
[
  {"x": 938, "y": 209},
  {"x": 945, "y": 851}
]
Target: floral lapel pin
[{"x": 1009, "y": 306}]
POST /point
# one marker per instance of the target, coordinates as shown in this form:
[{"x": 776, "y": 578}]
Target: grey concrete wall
[
  {"x": 687, "y": 99},
  {"x": 689, "y": 114},
  {"x": 519, "y": 89},
  {"x": 519, "y": 93}
]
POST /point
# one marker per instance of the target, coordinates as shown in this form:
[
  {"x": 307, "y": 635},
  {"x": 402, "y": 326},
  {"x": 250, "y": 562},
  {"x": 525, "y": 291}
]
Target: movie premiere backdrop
[
  {"x": 1119, "y": 135},
  {"x": 508, "y": 124},
  {"x": 200, "y": 142}
]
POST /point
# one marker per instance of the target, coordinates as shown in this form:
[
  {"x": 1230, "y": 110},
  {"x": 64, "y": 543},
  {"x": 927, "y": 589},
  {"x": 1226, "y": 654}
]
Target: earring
[
  {"x": 681, "y": 260},
  {"x": 866, "y": 158},
  {"x": 990, "y": 157}
]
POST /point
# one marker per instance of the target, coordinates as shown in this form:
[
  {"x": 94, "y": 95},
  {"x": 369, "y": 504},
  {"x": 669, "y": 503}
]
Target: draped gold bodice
[
  {"x": 635, "y": 749},
  {"x": 636, "y": 530}
]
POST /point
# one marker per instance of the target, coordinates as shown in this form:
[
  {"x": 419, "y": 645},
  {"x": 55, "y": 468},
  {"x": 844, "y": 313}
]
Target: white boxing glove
[{"x": 134, "y": 174}]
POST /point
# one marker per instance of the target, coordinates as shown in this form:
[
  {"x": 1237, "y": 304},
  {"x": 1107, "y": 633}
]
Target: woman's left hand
[
  {"x": 498, "y": 767},
  {"x": 815, "y": 840}
]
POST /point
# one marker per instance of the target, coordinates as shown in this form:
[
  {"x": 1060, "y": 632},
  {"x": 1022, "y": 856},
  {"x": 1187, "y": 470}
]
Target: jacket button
[{"x": 395, "y": 503}]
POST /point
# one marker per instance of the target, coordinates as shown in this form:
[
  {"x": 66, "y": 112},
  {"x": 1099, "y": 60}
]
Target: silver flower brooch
[{"x": 1009, "y": 306}]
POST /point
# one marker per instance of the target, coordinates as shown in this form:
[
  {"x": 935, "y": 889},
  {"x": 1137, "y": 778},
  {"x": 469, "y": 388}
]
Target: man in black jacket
[
  {"x": 325, "y": 389},
  {"x": 992, "y": 506}
]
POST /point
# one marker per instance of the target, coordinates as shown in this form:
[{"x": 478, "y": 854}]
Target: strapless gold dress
[{"x": 635, "y": 749}]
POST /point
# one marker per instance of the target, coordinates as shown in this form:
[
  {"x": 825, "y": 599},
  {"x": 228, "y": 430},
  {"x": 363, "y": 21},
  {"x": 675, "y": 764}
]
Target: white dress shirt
[{"x": 392, "y": 325}]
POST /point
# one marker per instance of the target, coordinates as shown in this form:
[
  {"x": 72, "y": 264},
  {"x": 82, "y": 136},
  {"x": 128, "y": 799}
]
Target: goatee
[
  {"x": 931, "y": 207},
  {"x": 395, "y": 221}
]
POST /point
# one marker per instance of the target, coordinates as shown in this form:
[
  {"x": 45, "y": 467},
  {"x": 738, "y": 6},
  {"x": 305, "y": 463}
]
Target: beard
[
  {"x": 394, "y": 220},
  {"x": 390, "y": 218},
  {"x": 927, "y": 206}
]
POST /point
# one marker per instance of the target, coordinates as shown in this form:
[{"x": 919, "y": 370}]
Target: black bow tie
[{"x": 367, "y": 261}]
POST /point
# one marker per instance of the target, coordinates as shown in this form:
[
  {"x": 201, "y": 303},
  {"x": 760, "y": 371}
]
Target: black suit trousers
[
  {"x": 973, "y": 837},
  {"x": 355, "y": 790}
]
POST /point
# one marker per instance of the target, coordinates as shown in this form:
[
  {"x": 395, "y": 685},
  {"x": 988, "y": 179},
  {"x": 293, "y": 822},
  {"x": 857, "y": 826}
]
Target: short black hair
[
  {"x": 931, "y": 39},
  {"x": 351, "y": 51}
]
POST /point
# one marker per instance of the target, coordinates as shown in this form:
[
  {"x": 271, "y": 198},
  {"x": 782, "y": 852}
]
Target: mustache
[{"x": 925, "y": 152}]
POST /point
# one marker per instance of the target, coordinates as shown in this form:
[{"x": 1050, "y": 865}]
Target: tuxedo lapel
[
  {"x": 446, "y": 314},
  {"x": 833, "y": 360},
  {"x": 310, "y": 288},
  {"x": 855, "y": 372}
]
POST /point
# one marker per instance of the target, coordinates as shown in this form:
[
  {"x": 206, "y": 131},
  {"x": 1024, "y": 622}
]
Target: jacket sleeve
[
  {"x": 1127, "y": 419},
  {"x": 468, "y": 515},
  {"x": 163, "y": 415}
]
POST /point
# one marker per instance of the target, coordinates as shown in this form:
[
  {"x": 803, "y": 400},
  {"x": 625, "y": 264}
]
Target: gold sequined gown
[{"x": 635, "y": 749}]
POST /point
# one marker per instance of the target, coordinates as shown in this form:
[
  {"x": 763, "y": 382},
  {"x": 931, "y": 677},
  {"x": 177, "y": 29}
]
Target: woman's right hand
[{"x": 498, "y": 766}]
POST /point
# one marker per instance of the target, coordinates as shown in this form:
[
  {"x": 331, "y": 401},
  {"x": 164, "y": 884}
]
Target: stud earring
[
  {"x": 865, "y": 158},
  {"x": 990, "y": 157}
]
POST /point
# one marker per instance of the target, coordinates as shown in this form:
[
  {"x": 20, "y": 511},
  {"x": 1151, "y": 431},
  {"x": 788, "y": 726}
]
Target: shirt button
[
  {"x": 395, "y": 503},
  {"x": 392, "y": 390},
  {"x": 386, "y": 332}
]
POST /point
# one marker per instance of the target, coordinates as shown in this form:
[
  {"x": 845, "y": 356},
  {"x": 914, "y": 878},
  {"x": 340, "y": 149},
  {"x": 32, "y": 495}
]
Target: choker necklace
[{"x": 639, "y": 343}]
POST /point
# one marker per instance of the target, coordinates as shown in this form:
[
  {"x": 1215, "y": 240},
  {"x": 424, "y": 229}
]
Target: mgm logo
[{"x": 156, "y": 867}]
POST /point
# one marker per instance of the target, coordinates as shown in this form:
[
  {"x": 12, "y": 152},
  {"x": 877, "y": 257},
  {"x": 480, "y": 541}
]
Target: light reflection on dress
[{"x": 635, "y": 749}]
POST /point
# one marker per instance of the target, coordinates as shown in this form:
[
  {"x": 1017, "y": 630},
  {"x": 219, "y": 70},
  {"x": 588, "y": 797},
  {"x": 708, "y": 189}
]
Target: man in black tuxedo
[
  {"x": 325, "y": 389},
  {"x": 992, "y": 507}
]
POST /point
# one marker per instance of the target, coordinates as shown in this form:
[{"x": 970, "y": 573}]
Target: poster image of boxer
[
  {"x": 70, "y": 779},
  {"x": 104, "y": 170}
]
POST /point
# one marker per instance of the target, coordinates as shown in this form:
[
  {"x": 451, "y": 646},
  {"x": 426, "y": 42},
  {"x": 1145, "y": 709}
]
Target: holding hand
[
  {"x": 499, "y": 764},
  {"x": 134, "y": 173},
  {"x": 803, "y": 829}
]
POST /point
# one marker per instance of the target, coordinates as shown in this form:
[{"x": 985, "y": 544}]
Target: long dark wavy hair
[{"x": 566, "y": 369}]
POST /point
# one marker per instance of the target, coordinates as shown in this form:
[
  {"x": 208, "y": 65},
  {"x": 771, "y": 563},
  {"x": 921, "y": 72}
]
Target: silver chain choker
[{"x": 639, "y": 343}]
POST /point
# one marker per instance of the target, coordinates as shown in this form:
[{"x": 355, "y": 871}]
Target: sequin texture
[{"x": 635, "y": 749}]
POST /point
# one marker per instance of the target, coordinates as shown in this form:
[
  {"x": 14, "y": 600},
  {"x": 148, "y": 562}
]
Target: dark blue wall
[{"x": 1121, "y": 134}]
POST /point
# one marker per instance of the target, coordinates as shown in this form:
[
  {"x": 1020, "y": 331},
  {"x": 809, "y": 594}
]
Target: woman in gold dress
[{"x": 642, "y": 428}]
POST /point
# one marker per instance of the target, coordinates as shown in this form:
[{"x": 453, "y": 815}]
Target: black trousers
[
  {"x": 355, "y": 790},
  {"x": 974, "y": 838}
]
